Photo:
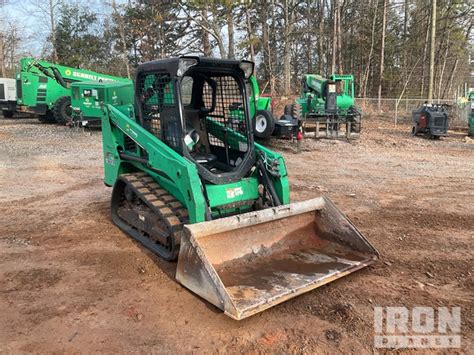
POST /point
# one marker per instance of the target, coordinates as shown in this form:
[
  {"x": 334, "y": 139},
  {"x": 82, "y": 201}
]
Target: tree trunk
[
  {"x": 335, "y": 5},
  {"x": 213, "y": 29},
  {"x": 250, "y": 35},
  {"x": 405, "y": 39},
  {"x": 267, "y": 59},
  {"x": 270, "y": 43},
  {"x": 2, "y": 56},
  {"x": 405, "y": 20},
  {"x": 456, "y": 61},
  {"x": 432, "y": 50},
  {"x": 451, "y": 76},
  {"x": 206, "y": 44},
  {"x": 371, "y": 51},
  {"x": 443, "y": 67},
  {"x": 309, "y": 40},
  {"x": 287, "y": 47},
  {"x": 321, "y": 38},
  {"x": 382, "y": 53},
  {"x": 121, "y": 25},
  {"x": 53, "y": 29},
  {"x": 340, "y": 68},
  {"x": 406, "y": 84},
  {"x": 12, "y": 51},
  {"x": 230, "y": 30},
  {"x": 425, "y": 49}
]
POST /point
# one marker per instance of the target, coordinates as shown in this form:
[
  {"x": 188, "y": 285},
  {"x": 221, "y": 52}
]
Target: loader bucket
[{"x": 250, "y": 262}]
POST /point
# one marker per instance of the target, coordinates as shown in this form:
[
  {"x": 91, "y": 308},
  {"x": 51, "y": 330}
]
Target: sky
[{"x": 33, "y": 23}]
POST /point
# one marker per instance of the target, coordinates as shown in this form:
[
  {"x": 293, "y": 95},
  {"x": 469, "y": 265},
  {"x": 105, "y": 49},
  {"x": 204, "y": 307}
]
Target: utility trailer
[
  {"x": 44, "y": 88},
  {"x": 7, "y": 97},
  {"x": 88, "y": 97},
  {"x": 325, "y": 105}
]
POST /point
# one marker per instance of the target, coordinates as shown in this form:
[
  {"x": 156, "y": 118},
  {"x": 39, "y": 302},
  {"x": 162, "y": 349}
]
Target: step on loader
[{"x": 189, "y": 183}]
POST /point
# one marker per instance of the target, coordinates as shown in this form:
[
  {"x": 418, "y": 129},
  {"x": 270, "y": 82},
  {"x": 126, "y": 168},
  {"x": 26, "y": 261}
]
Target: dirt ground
[{"x": 73, "y": 282}]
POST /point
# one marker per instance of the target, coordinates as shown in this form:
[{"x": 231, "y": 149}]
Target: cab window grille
[
  {"x": 160, "y": 113},
  {"x": 228, "y": 114}
]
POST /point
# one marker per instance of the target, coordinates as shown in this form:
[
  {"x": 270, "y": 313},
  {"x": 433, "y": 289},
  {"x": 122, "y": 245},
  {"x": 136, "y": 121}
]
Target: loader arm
[{"x": 174, "y": 172}]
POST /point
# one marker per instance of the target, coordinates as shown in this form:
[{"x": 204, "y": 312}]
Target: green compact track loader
[{"x": 189, "y": 183}]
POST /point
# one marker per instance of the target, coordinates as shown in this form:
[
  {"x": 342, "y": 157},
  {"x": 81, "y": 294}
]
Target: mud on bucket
[{"x": 247, "y": 263}]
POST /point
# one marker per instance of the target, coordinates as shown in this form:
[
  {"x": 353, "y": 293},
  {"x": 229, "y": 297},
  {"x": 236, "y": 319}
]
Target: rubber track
[{"x": 168, "y": 208}]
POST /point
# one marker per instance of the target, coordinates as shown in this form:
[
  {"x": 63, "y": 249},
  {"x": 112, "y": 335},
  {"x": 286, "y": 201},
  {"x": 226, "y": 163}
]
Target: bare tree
[
  {"x": 288, "y": 28},
  {"x": 335, "y": 10},
  {"x": 121, "y": 26},
  {"x": 321, "y": 36},
  {"x": 2, "y": 56},
  {"x": 265, "y": 13},
  {"x": 206, "y": 44},
  {"x": 230, "y": 29},
  {"x": 51, "y": 10},
  {"x": 365, "y": 78},
  {"x": 382, "y": 53},
  {"x": 250, "y": 34},
  {"x": 340, "y": 68},
  {"x": 9, "y": 48},
  {"x": 209, "y": 20},
  {"x": 432, "y": 50}
]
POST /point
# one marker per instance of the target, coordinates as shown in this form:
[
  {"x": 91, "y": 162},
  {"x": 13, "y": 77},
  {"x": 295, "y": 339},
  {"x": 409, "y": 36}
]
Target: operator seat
[
  {"x": 206, "y": 159},
  {"x": 201, "y": 155}
]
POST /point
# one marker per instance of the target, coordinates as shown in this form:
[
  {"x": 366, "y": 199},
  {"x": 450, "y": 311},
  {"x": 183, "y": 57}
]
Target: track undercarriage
[{"x": 149, "y": 214}]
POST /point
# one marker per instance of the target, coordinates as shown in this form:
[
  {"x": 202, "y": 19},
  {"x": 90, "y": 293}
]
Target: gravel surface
[{"x": 73, "y": 282}]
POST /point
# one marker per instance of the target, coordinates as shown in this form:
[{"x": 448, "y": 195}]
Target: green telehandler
[
  {"x": 260, "y": 110},
  {"x": 327, "y": 104},
  {"x": 190, "y": 183},
  {"x": 264, "y": 123},
  {"x": 44, "y": 88}
]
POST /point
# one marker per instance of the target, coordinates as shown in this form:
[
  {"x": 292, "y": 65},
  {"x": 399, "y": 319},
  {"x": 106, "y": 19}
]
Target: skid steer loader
[{"x": 190, "y": 183}]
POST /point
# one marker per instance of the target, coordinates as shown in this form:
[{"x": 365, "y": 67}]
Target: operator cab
[{"x": 199, "y": 107}]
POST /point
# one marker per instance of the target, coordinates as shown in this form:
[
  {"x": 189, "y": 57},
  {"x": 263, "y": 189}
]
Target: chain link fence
[{"x": 400, "y": 110}]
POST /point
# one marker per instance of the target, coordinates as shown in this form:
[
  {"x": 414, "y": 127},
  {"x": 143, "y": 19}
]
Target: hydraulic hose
[{"x": 268, "y": 183}]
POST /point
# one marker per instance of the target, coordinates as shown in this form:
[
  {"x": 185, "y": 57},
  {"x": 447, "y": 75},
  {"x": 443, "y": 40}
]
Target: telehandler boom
[{"x": 44, "y": 88}]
